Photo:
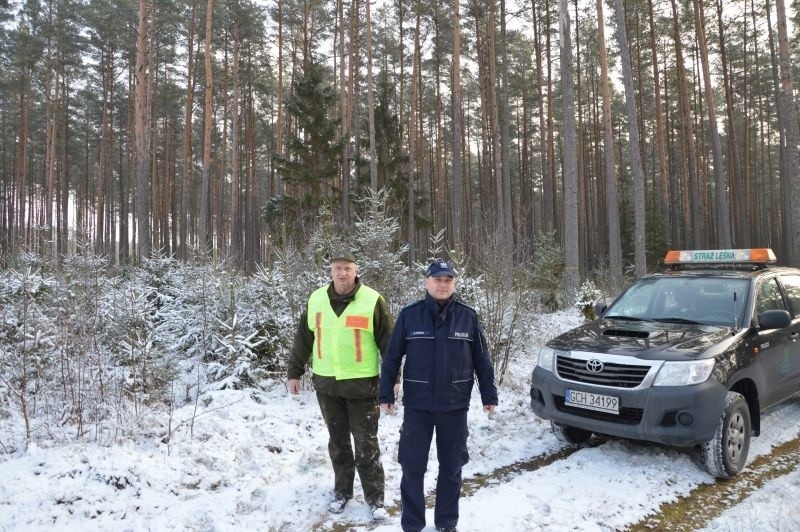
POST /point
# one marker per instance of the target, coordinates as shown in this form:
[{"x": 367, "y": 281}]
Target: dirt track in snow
[{"x": 696, "y": 510}]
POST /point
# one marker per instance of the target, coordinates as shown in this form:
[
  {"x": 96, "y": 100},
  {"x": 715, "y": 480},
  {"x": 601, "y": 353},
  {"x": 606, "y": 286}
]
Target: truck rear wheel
[{"x": 725, "y": 454}]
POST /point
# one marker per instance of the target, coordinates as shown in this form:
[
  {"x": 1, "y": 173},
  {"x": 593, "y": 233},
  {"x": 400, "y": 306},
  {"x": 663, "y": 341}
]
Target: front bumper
[{"x": 671, "y": 415}]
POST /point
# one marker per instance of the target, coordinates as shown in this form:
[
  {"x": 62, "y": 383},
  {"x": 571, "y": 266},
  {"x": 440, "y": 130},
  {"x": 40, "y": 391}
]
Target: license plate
[{"x": 592, "y": 401}]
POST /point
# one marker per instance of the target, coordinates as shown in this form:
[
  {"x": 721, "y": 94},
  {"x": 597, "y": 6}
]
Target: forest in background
[{"x": 232, "y": 129}]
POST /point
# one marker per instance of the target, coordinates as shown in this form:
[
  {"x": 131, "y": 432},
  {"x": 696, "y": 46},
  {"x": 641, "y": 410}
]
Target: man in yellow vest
[{"x": 343, "y": 331}]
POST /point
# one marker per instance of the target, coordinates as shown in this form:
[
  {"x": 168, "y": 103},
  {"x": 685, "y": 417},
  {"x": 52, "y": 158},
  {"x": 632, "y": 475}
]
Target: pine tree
[{"x": 311, "y": 161}]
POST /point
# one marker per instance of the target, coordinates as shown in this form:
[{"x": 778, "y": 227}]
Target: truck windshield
[{"x": 707, "y": 300}]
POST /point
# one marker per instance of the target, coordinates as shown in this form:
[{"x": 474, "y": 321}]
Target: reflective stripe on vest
[{"x": 344, "y": 346}]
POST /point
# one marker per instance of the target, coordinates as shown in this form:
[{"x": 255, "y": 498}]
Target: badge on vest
[{"x": 357, "y": 322}]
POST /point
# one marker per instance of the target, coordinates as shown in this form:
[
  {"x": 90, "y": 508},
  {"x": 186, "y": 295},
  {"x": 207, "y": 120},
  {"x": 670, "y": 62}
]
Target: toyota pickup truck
[{"x": 690, "y": 356}]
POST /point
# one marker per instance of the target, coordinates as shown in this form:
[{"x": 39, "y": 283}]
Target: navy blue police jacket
[{"x": 444, "y": 349}]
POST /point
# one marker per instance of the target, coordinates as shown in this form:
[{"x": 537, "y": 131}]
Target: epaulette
[
  {"x": 459, "y": 302},
  {"x": 414, "y": 304}
]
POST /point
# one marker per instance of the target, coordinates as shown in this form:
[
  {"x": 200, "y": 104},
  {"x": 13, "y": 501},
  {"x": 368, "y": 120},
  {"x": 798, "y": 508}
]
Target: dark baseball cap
[{"x": 440, "y": 267}]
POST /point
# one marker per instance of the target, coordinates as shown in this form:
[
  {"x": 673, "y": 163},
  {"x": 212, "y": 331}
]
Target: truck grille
[
  {"x": 628, "y": 416},
  {"x": 612, "y": 374}
]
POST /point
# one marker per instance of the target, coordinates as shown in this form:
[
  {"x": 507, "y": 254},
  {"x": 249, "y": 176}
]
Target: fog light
[
  {"x": 685, "y": 419},
  {"x": 536, "y": 395}
]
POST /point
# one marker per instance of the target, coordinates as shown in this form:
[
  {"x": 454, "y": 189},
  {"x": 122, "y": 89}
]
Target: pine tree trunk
[
  {"x": 662, "y": 183},
  {"x": 373, "y": 161},
  {"x": 543, "y": 151},
  {"x": 640, "y": 262},
  {"x": 153, "y": 140},
  {"x": 780, "y": 185},
  {"x": 64, "y": 185},
  {"x": 571, "y": 250},
  {"x": 204, "y": 233},
  {"x": 51, "y": 105},
  {"x": 107, "y": 68},
  {"x": 124, "y": 197},
  {"x": 344, "y": 113},
  {"x": 142, "y": 135},
  {"x": 507, "y": 212},
  {"x": 218, "y": 200},
  {"x": 353, "y": 110},
  {"x": 187, "y": 216},
  {"x": 789, "y": 118},
  {"x": 274, "y": 188},
  {"x": 236, "y": 227},
  {"x": 612, "y": 201},
  {"x": 412, "y": 131},
  {"x": 550, "y": 179},
  {"x": 52, "y": 170},
  {"x": 723, "y": 219},
  {"x": 437, "y": 183},
  {"x": 494, "y": 117},
  {"x": 691, "y": 190},
  {"x": 740, "y": 214},
  {"x": 458, "y": 174}
]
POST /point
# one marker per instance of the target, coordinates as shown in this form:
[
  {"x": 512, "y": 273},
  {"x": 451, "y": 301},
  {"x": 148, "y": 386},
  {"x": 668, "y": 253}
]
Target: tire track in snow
[
  {"x": 469, "y": 486},
  {"x": 708, "y": 501},
  {"x": 775, "y": 453}
]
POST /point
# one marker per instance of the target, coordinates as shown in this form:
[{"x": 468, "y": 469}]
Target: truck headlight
[
  {"x": 547, "y": 357},
  {"x": 684, "y": 373}
]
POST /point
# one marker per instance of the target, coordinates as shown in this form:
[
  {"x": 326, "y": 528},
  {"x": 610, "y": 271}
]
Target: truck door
[
  {"x": 777, "y": 346},
  {"x": 791, "y": 289}
]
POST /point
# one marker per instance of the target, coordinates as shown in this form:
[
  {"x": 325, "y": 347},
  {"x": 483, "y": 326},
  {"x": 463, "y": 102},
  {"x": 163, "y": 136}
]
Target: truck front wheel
[{"x": 725, "y": 454}]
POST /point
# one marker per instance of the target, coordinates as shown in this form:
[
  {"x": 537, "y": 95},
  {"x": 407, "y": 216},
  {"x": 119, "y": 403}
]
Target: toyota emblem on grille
[{"x": 594, "y": 366}]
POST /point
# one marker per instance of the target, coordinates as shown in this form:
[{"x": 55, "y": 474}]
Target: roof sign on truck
[{"x": 704, "y": 256}]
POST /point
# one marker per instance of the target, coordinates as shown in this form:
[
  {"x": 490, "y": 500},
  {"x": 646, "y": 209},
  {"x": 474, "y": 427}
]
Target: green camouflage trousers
[{"x": 358, "y": 417}]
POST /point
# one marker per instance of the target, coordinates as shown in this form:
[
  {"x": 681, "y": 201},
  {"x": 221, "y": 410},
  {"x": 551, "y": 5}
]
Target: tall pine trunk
[
  {"x": 570, "y": 149},
  {"x": 690, "y": 192},
  {"x": 640, "y": 262},
  {"x": 344, "y": 113},
  {"x": 507, "y": 213},
  {"x": 723, "y": 220},
  {"x": 612, "y": 201},
  {"x": 187, "y": 214},
  {"x": 458, "y": 174},
  {"x": 204, "y": 234},
  {"x": 662, "y": 183},
  {"x": 788, "y": 117},
  {"x": 236, "y": 226},
  {"x": 373, "y": 161},
  {"x": 142, "y": 129}
]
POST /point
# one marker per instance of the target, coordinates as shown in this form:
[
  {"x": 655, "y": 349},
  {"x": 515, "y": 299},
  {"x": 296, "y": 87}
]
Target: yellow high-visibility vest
[{"x": 344, "y": 346}]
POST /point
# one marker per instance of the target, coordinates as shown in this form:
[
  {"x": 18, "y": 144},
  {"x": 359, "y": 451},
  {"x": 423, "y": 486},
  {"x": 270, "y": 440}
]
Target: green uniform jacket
[{"x": 303, "y": 346}]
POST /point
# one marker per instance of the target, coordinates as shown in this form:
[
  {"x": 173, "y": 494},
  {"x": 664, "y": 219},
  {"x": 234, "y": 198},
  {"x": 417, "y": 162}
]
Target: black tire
[
  {"x": 568, "y": 434},
  {"x": 725, "y": 454}
]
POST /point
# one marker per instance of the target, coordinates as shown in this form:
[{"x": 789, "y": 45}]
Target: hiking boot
[
  {"x": 378, "y": 512},
  {"x": 337, "y": 505},
  {"x": 446, "y": 529}
]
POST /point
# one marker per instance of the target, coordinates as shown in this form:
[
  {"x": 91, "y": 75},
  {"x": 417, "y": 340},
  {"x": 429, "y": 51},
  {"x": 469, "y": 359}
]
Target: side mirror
[
  {"x": 600, "y": 308},
  {"x": 774, "y": 319}
]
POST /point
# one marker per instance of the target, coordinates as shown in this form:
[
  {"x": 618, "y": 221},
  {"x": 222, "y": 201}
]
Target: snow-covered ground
[{"x": 257, "y": 460}]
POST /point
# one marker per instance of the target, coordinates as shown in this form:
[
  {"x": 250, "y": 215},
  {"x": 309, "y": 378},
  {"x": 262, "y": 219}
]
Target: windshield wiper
[
  {"x": 678, "y": 320},
  {"x": 629, "y": 318}
]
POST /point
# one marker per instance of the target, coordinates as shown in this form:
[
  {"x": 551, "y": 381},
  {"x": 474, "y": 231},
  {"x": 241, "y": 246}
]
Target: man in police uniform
[
  {"x": 344, "y": 329},
  {"x": 444, "y": 349}
]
